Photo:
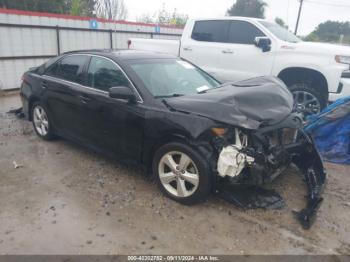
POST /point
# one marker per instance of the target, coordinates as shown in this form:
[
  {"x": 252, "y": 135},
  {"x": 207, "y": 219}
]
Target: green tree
[
  {"x": 59, "y": 6},
  {"x": 312, "y": 37},
  {"x": 164, "y": 17},
  {"x": 88, "y": 7},
  {"x": 146, "y": 18},
  {"x": 82, "y": 7},
  {"x": 78, "y": 7},
  {"x": 330, "y": 31},
  {"x": 248, "y": 8},
  {"x": 178, "y": 19},
  {"x": 281, "y": 22}
]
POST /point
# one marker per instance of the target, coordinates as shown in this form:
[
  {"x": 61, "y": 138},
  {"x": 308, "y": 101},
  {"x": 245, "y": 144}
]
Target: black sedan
[{"x": 191, "y": 132}]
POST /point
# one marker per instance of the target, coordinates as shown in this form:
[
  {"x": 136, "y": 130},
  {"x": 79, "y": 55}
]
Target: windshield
[
  {"x": 172, "y": 77},
  {"x": 280, "y": 32}
]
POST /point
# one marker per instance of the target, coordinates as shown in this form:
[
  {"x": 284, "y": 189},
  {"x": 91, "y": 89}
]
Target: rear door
[
  {"x": 61, "y": 83},
  {"x": 239, "y": 58},
  {"x": 204, "y": 46}
]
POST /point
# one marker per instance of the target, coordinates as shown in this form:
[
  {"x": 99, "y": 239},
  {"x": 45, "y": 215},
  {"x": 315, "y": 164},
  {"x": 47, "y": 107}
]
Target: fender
[{"x": 331, "y": 73}]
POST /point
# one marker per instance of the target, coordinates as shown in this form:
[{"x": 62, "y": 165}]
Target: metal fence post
[
  {"x": 111, "y": 38},
  {"x": 58, "y": 40},
  {"x": 56, "y": 29}
]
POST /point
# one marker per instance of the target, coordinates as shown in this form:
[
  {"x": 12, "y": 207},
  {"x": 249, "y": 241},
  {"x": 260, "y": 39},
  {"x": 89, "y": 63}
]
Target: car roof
[
  {"x": 124, "y": 54},
  {"x": 239, "y": 18}
]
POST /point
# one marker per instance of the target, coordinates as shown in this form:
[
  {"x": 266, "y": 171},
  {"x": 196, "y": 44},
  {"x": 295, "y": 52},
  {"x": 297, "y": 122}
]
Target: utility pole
[{"x": 300, "y": 7}]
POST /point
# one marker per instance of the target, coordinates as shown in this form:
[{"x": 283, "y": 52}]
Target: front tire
[
  {"x": 182, "y": 173},
  {"x": 41, "y": 122},
  {"x": 306, "y": 99}
]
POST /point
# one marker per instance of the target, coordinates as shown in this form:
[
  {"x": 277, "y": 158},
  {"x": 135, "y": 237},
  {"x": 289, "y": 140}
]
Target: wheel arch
[
  {"x": 202, "y": 147},
  {"x": 292, "y": 75},
  {"x": 31, "y": 102},
  {"x": 151, "y": 148}
]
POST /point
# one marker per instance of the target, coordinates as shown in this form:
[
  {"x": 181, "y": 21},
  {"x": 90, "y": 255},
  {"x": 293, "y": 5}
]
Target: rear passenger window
[
  {"x": 241, "y": 32},
  {"x": 53, "y": 70},
  {"x": 104, "y": 74},
  {"x": 210, "y": 31},
  {"x": 70, "y": 68}
]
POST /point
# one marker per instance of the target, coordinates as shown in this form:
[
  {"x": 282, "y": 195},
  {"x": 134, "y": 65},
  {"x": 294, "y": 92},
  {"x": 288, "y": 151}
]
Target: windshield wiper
[{"x": 171, "y": 95}]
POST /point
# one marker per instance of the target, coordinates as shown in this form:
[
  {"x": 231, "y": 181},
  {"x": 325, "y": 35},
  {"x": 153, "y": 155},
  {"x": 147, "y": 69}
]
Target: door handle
[
  {"x": 187, "y": 48},
  {"x": 227, "y": 51},
  {"x": 84, "y": 99},
  {"x": 44, "y": 84}
]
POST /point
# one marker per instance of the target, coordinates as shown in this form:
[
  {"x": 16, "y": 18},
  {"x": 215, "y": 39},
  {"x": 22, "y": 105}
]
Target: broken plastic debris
[
  {"x": 307, "y": 216},
  {"x": 18, "y": 112},
  {"x": 16, "y": 165},
  {"x": 251, "y": 197},
  {"x": 202, "y": 89},
  {"x": 231, "y": 161}
]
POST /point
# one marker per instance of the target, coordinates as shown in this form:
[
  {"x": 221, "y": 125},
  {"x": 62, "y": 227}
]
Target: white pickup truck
[{"x": 237, "y": 48}]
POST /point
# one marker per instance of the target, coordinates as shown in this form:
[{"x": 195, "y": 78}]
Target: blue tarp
[{"x": 331, "y": 131}]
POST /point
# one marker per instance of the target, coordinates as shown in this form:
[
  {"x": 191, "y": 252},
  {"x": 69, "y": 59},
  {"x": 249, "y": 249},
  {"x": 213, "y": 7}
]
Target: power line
[
  {"x": 314, "y": 2},
  {"x": 324, "y": 3}
]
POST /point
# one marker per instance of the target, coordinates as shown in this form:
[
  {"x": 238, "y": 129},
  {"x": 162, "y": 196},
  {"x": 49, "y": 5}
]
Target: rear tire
[
  {"x": 182, "y": 173},
  {"x": 41, "y": 121}
]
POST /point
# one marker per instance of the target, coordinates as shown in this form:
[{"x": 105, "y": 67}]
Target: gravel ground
[{"x": 65, "y": 199}]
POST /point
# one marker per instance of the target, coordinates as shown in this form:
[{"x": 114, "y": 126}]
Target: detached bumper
[{"x": 309, "y": 161}]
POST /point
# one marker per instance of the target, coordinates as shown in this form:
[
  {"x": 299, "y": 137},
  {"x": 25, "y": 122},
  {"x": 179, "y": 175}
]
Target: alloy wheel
[
  {"x": 41, "y": 122},
  {"x": 178, "y": 174},
  {"x": 306, "y": 103}
]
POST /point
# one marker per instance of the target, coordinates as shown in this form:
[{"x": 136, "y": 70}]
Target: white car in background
[{"x": 238, "y": 48}]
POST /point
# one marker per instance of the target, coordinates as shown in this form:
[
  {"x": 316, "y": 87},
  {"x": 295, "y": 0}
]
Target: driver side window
[
  {"x": 241, "y": 32},
  {"x": 104, "y": 74}
]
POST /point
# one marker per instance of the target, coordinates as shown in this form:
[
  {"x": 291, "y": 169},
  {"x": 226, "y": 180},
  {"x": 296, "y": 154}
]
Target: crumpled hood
[{"x": 247, "y": 103}]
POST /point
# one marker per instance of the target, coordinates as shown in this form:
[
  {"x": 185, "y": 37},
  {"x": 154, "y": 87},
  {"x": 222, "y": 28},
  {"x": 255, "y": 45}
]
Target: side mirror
[
  {"x": 263, "y": 42},
  {"x": 122, "y": 92},
  {"x": 33, "y": 68}
]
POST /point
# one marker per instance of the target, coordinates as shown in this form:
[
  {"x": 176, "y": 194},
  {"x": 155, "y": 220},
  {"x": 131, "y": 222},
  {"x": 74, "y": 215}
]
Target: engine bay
[{"x": 256, "y": 158}]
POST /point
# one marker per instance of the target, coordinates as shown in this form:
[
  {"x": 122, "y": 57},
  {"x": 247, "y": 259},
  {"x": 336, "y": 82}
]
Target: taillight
[{"x": 129, "y": 44}]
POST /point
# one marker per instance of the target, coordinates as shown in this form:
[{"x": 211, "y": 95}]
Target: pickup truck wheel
[
  {"x": 182, "y": 173},
  {"x": 307, "y": 100}
]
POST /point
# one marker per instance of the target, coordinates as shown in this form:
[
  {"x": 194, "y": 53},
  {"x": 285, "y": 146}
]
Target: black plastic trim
[{"x": 26, "y": 57}]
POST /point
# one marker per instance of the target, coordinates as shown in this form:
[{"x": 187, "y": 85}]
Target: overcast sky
[{"x": 313, "y": 13}]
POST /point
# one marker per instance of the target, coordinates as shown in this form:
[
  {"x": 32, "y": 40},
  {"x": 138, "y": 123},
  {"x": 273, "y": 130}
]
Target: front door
[
  {"x": 204, "y": 47},
  {"x": 240, "y": 59},
  {"x": 112, "y": 124}
]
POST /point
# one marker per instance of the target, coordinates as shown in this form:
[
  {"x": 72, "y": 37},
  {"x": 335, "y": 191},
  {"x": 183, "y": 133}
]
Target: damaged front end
[
  {"x": 262, "y": 137},
  {"x": 257, "y": 157}
]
